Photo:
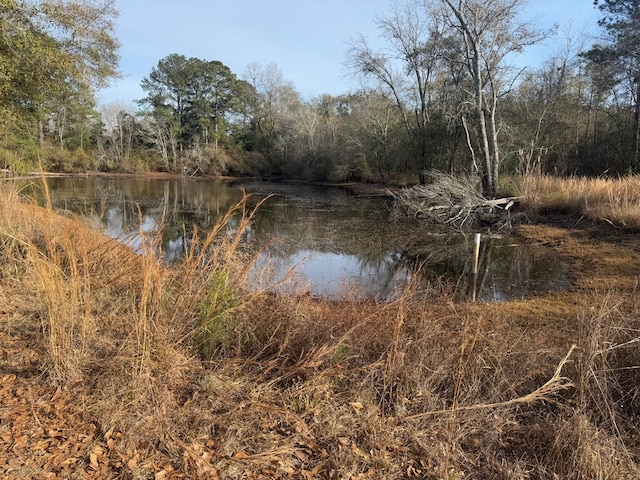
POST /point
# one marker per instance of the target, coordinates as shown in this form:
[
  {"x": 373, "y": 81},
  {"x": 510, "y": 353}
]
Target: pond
[{"x": 327, "y": 241}]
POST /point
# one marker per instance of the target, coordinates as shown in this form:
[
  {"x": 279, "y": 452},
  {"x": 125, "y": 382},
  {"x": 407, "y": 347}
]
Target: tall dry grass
[
  {"x": 85, "y": 283},
  {"x": 123, "y": 323},
  {"x": 183, "y": 370},
  {"x": 62, "y": 269},
  {"x": 612, "y": 200}
]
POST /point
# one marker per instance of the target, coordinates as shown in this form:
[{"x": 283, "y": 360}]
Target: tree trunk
[
  {"x": 488, "y": 165},
  {"x": 495, "y": 148},
  {"x": 636, "y": 157},
  {"x": 486, "y": 172}
]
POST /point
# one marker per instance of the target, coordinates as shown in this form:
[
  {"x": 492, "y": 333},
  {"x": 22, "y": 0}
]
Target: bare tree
[
  {"x": 119, "y": 129},
  {"x": 488, "y": 32},
  {"x": 373, "y": 131},
  {"x": 274, "y": 108},
  {"x": 547, "y": 109},
  {"x": 406, "y": 69},
  {"x": 436, "y": 47}
]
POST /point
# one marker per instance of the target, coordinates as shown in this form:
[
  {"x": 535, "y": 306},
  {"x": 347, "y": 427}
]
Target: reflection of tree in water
[
  {"x": 357, "y": 229},
  {"x": 123, "y": 205},
  {"x": 300, "y": 217},
  {"x": 507, "y": 269},
  {"x": 348, "y": 227}
]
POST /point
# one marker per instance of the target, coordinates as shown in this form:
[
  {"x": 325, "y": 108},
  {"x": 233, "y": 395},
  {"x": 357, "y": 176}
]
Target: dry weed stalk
[
  {"x": 466, "y": 348},
  {"x": 206, "y": 286},
  {"x": 65, "y": 285},
  {"x": 149, "y": 302},
  {"x": 74, "y": 272}
]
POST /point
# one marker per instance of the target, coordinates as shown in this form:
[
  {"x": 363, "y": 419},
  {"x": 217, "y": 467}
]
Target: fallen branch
[
  {"x": 554, "y": 385},
  {"x": 454, "y": 201}
]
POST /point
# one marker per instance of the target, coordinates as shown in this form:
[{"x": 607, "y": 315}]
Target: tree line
[
  {"x": 445, "y": 91},
  {"x": 54, "y": 56}
]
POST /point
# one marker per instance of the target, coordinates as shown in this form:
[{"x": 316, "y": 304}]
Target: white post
[
  {"x": 476, "y": 253},
  {"x": 474, "y": 270}
]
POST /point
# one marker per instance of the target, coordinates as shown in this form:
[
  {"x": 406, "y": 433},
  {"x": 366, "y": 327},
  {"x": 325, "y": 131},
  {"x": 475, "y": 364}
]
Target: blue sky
[{"x": 307, "y": 39}]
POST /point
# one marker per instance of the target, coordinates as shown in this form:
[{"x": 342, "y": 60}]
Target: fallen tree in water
[{"x": 454, "y": 201}]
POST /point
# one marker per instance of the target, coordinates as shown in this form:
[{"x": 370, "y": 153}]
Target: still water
[{"x": 326, "y": 241}]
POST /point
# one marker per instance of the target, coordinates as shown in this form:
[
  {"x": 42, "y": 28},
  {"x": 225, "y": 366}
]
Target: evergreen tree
[
  {"x": 53, "y": 52},
  {"x": 193, "y": 100},
  {"x": 620, "y": 55}
]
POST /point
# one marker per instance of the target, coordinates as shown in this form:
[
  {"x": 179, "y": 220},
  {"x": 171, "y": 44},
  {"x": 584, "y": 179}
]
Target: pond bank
[{"x": 309, "y": 388}]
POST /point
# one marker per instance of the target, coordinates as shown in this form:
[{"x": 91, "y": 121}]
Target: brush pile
[{"x": 454, "y": 201}]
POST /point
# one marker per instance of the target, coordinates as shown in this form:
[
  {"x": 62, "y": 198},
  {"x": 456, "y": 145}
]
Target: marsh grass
[
  {"x": 612, "y": 200},
  {"x": 184, "y": 370}
]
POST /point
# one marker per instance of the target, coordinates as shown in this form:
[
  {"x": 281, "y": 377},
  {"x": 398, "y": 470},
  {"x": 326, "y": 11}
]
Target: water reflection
[
  {"x": 507, "y": 268},
  {"x": 336, "y": 275},
  {"x": 339, "y": 245}
]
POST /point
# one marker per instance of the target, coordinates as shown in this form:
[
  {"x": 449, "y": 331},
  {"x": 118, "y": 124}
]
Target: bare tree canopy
[{"x": 465, "y": 44}]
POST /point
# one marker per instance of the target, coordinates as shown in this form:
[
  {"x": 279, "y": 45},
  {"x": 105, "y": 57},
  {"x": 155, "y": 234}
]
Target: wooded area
[
  {"x": 115, "y": 364},
  {"x": 445, "y": 93}
]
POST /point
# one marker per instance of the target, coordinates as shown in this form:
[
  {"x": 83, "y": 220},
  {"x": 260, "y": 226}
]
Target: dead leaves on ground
[
  {"x": 41, "y": 437},
  {"x": 43, "y": 434}
]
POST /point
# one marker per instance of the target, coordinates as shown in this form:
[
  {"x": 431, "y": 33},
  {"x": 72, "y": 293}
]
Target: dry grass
[
  {"x": 612, "y": 200},
  {"x": 181, "y": 372}
]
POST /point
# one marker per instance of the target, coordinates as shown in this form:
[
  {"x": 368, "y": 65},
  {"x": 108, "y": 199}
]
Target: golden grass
[
  {"x": 185, "y": 374},
  {"x": 612, "y": 200}
]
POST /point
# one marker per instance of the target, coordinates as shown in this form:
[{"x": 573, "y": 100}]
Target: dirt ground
[{"x": 45, "y": 433}]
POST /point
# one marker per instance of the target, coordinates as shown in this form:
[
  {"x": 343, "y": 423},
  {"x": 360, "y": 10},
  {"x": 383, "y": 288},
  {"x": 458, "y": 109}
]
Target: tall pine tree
[{"x": 620, "y": 53}]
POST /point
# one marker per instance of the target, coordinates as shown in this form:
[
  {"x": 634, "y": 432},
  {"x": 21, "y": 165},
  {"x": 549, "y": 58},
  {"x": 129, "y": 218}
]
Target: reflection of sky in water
[
  {"x": 333, "y": 275},
  {"x": 174, "y": 250},
  {"x": 115, "y": 225}
]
